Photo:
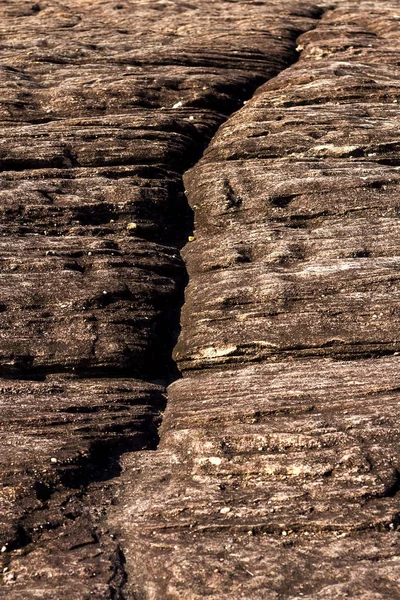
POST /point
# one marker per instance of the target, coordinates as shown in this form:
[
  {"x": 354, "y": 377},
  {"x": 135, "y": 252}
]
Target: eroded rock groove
[
  {"x": 277, "y": 472},
  {"x": 92, "y": 219}
]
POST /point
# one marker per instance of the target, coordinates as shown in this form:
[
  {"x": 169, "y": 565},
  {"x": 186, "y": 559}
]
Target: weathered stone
[
  {"x": 277, "y": 471},
  {"x": 103, "y": 107},
  {"x": 277, "y": 474}
]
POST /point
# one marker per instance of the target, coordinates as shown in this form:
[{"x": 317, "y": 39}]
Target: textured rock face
[
  {"x": 275, "y": 473},
  {"x": 103, "y": 108}
]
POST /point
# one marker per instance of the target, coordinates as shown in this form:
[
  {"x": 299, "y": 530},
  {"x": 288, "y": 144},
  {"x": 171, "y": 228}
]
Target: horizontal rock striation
[
  {"x": 103, "y": 107},
  {"x": 277, "y": 475}
]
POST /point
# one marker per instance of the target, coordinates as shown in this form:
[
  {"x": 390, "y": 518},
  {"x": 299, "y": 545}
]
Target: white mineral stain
[{"x": 215, "y": 352}]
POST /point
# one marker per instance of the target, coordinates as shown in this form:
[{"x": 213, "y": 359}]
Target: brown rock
[
  {"x": 277, "y": 474},
  {"x": 103, "y": 107}
]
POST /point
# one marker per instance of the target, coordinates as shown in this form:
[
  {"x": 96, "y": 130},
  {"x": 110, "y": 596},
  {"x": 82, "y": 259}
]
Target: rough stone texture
[
  {"x": 277, "y": 474},
  {"x": 103, "y": 107}
]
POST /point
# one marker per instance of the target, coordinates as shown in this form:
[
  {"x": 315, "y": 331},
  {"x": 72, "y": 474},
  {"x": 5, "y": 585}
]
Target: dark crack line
[
  {"x": 95, "y": 468},
  {"x": 233, "y": 201}
]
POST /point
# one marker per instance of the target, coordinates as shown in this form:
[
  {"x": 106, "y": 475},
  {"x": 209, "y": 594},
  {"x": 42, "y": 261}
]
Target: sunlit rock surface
[{"x": 270, "y": 469}]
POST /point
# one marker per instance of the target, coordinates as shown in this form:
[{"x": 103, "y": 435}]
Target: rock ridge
[
  {"x": 103, "y": 108},
  {"x": 277, "y": 473}
]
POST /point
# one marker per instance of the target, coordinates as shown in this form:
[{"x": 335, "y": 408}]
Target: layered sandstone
[
  {"x": 104, "y": 106},
  {"x": 277, "y": 475}
]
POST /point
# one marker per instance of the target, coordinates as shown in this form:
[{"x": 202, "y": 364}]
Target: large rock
[
  {"x": 277, "y": 474},
  {"x": 103, "y": 107}
]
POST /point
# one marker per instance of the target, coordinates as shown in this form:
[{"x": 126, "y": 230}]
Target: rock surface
[{"x": 275, "y": 473}]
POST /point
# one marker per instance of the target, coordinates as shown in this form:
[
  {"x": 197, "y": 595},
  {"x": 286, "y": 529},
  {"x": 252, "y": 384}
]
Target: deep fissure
[{"x": 102, "y": 461}]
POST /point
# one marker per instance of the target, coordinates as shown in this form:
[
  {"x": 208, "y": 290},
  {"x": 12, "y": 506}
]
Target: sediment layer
[
  {"x": 277, "y": 473},
  {"x": 104, "y": 107}
]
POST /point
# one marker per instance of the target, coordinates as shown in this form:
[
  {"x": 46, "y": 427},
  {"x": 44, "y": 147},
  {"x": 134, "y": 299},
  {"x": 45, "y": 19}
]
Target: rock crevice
[
  {"x": 277, "y": 471},
  {"x": 104, "y": 108}
]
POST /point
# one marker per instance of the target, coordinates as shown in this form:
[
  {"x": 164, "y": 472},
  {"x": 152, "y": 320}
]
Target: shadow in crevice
[{"x": 101, "y": 463}]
